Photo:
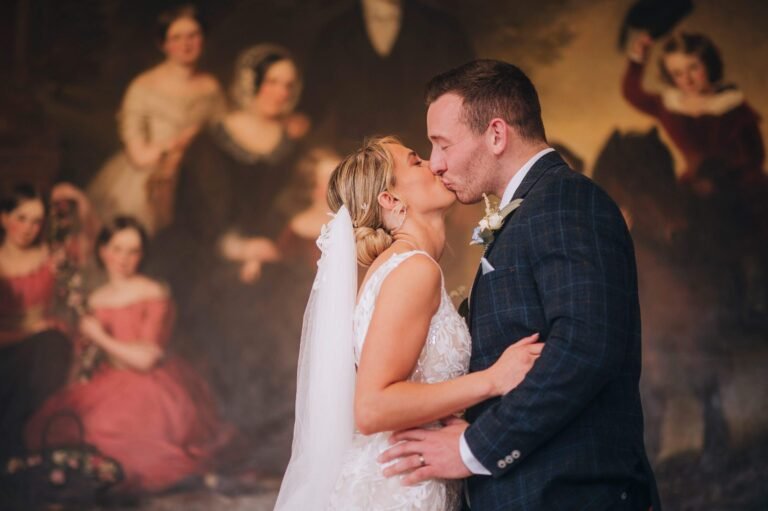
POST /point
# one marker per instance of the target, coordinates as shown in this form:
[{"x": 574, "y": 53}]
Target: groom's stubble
[{"x": 479, "y": 172}]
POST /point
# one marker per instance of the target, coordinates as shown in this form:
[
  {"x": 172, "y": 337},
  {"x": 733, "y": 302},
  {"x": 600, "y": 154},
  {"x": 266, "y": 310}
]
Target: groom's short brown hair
[{"x": 492, "y": 88}]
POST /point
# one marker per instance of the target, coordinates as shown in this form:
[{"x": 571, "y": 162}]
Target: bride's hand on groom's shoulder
[
  {"x": 422, "y": 454},
  {"x": 512, "y": 366}
]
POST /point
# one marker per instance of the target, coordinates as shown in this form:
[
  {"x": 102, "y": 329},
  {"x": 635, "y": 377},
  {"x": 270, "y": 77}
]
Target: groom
[{"x": 570, "y": 436}]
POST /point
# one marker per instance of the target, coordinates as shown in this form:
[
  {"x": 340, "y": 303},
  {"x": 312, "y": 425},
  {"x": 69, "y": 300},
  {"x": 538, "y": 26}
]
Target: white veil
[{"x": 326, "y": 374}]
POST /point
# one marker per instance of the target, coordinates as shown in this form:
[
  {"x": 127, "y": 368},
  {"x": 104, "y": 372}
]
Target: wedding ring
[{"x": 422, "y": 461}]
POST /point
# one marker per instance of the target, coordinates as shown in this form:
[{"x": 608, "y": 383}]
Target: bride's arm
[{"x": 384, "y": 400}]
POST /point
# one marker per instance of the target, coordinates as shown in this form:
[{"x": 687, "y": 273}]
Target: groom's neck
[{"x": 512, "y": 161}]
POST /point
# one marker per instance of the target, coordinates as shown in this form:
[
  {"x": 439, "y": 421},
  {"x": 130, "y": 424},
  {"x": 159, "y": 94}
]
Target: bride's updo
[{"x": 357, "y": 182}]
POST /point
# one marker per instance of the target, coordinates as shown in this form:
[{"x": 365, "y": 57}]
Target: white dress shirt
[{"x": 467, "y": 456}]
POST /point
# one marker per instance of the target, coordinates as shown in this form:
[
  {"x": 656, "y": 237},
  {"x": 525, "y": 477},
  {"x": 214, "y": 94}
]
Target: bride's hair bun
[
  {"x": 371, "y": 243},
  {"x": 357, "y": 182}
]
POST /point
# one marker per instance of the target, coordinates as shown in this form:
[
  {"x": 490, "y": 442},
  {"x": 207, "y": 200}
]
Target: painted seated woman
[
  {"x": 233, "y": 171},
  {"x": 35, "y": 353},
  {"x": 226, "y": 218},
  {"x": 142, "y": 406}
]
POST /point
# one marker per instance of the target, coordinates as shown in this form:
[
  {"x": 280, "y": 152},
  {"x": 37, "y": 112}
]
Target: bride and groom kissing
[{"x": 548, "y": 380}]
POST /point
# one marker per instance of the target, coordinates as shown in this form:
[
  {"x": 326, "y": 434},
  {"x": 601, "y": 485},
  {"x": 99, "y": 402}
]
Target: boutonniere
[{"x": 492, "y": 221}]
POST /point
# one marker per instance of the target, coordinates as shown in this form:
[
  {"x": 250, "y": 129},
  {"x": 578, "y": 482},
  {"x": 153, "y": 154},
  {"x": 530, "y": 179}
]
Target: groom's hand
[{"x": 439, "y": 450}]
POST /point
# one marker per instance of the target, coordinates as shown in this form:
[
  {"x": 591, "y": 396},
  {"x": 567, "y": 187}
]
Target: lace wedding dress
[{"x": 360, "y": 484}]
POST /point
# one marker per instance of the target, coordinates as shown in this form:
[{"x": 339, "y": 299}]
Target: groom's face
[{"x": 459, "y": 155}]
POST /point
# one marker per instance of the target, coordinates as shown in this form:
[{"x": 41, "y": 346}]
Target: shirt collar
[{"x": 514, "y": 183}]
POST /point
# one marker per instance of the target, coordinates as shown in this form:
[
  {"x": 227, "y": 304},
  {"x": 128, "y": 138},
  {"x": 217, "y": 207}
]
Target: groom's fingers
[
  {"x": 399, "y": 451},
  {"x": 419, "y": 475},
  {"x": 406, "y": 464}
]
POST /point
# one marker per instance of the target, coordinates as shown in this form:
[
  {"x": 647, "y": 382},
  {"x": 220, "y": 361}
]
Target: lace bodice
[
  {"x": 445, "y": 355},
  {"x": 446, "y": 352}
]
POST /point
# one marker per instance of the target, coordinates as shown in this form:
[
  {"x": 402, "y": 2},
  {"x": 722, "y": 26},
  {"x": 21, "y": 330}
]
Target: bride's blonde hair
[{"x": 357, "y": 182}]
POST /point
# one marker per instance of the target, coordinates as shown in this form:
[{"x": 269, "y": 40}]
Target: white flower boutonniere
[{"x": 492, "y": 221}]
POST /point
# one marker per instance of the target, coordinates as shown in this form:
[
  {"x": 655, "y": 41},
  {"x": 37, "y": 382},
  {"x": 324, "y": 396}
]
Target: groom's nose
[{"x": 436, "y": 164}]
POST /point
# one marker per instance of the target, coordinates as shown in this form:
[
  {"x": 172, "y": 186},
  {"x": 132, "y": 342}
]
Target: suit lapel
[{"x": 538, "y": 170}]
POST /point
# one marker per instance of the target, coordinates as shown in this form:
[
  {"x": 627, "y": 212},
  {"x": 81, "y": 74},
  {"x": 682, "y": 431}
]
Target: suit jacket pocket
[
  {"x": 498, "y": 273},
  {"x": 489, "y": 286}
]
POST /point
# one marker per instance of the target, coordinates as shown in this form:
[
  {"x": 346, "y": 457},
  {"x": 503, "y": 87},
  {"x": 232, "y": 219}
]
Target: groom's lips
[{"x": 447, "y": 185}]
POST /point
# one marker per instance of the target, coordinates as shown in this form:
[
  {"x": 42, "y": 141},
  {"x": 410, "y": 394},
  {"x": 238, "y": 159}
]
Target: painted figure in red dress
[
  {"x": 35, "y": 352},
  {"x": 718, "y": 134}
]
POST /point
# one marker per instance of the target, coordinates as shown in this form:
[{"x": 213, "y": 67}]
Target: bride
[{"x": 392, "y": 356}]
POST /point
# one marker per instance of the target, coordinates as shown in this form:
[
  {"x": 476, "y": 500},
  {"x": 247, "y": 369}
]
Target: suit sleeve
[{"x": 583, "y": 266}]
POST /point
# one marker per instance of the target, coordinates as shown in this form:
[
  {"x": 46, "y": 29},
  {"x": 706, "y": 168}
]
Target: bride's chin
[
  {"x": 447, "y": 207},
  {"x": 450, "y": 199}
]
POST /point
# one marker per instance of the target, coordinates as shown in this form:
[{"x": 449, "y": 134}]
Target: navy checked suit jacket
[{"x": 570, "y": 436}]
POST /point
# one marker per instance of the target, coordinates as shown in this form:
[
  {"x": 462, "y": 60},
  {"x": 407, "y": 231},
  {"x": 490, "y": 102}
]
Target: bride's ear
[
  {"x": 387, "y": 201},
  {"x": 389, "y": 209}
]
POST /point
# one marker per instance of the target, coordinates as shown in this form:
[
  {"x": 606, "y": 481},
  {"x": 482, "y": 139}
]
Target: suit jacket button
[
  {"x": 515, "y": 454},
  {"x": 623, "y": 495},
  {"x": 509, "y": 460},
  {"x": 501, "y": 464}
]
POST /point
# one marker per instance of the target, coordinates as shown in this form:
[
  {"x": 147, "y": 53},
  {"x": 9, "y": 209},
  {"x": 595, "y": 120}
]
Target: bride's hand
[{"x": 512, "y": 366}]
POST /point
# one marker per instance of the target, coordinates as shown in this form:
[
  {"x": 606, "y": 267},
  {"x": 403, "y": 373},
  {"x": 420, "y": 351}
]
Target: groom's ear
[{"x": 497, "y": 135}]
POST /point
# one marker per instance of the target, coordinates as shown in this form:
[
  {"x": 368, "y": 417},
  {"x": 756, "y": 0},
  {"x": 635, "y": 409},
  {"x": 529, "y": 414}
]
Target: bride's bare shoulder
[{"x": 417, "y": 277}]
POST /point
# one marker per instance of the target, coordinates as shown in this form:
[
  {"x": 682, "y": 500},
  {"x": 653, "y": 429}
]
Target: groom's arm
[{"x": 583, "y": 266}]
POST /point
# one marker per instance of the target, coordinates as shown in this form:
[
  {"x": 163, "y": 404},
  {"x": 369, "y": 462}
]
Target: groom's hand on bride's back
[{"x": 423, "y": 454}]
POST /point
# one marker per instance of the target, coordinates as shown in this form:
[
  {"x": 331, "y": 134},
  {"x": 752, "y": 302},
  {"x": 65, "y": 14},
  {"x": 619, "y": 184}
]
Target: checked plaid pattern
[{"x": 570, "y": 436}]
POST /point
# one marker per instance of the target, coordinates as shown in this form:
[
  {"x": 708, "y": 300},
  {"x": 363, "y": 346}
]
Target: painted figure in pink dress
[{"x": 143, "y": 406}]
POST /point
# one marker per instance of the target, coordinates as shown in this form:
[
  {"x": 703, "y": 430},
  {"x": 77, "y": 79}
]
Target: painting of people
[{"x": 165, "y": 174}]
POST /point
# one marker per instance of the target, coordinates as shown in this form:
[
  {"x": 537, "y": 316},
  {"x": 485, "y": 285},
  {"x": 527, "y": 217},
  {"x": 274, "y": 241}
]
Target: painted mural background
[{"x": 66, "y": 65}]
